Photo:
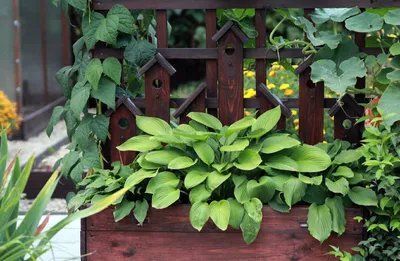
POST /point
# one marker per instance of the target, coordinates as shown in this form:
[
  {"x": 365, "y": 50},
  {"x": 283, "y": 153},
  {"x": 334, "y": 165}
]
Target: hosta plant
[{"x": 228, "y": 173}]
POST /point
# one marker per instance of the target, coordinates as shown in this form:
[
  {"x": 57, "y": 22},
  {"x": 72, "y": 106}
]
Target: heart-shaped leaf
[
  {"x": 204, "y": 151},
  {"x": 319, "y": 221},
  {"x": 365, "y": 22},
  {"x": 254, "y": 209},
  {"x": 165, "y": 196},
  {"x": 248, "y": 160},
  {"x": 336, "y": 208},
  {"x": 194, "y": 178},
  {"x": 263, "y": 190},
  {"x": 343, "y": 171},
  {"x": 215, "y": 179},
  {"x": 339, "y": 186},
  {"x": 199, "y": 214},
  {"x": 294, "y": 190},
  {"x": 237, "y": 213},
  {"x": 220, "y": 213},
  {"x": 162, "y": 179},
  {"x": 310, "y": 158},
  {"x": 199, "y": 193}
]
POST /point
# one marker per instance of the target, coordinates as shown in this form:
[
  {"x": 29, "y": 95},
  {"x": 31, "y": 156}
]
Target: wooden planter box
[{"x": 168, "y": 235}]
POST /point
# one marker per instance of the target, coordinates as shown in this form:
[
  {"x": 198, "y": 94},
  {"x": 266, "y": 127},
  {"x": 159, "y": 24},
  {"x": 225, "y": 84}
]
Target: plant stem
[{"x": 271, "y": 36}]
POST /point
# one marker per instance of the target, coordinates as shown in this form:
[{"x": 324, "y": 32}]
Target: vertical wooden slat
[
  {"x": 311, "y": 107},
  {"x": 17, "y": 55},
  {"x": 230, "y": 78},
  {"x": 211, "y": 65},
  {"x": 65, "y": 38},
  {"x": 261, "y": 68},
  {"x": 162, "y": 30}
]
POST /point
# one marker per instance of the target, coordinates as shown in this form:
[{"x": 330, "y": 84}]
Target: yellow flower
[
  {"x": 288, "y": 92},
  {"x": 296, "y": 121},
  {"x": 333, "y": 118},
  {"x": 272, "y": 73},
  {"x": 8, "y": 113},
  {"x": 276, "y": 67},
  {"x": 328, "y": 95},
  {"x": 271, "y": 86},
  {"x": 325, "y": 141},
  {"x": 284, "y": 86},
  {"x": 295, "y": 66},
  {"x": 249, "y": 73},
  {"x": 294, "y": 112},
  {"x": 281, "y": 68},
  {"x": 324, "y": 132},
  {"x": 250, "y": 93},
  {"x": 392, "y": 35},
  {"x": 296, "y": 127},
  {"x": 247, "y": 113}
]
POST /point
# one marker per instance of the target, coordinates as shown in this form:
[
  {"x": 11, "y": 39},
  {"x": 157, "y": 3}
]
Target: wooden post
[
  {"x": 230, "y": 72},
  {"x": 211, "y": 65},
  {"x": 311, "y": 107}
]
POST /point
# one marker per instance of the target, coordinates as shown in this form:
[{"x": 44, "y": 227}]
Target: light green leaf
[
  {"x": 140, "y": 211},
  {"x": 107, "y": 31},
  {"x": 322, "y": 15},
  {"x": 165, "y": 196},
  {"x": 310, "y": 158},
  {"x": 249, "y": 229},
  {"x": 319, "y": 221},
  {"x": 282, "y": 162},
  {"x": 206, "y": 119},
  {"x": 199, "y": 193},
  {"x": 183, "y": 162},
  {"x": 126, "y": 23},
  {"x": 204, "y": 151},
  {"x": 343, "y": 171},
  {"x": 317, "y": 180},
  {"x": 123, "y": 209},
  {"x": 240, "y": 125},
  {"x": 339, "y": 186},
  {"x": 392, "y": 17},
  {"x": 106, "y": 92},
  {"x": 347, "y": 156},
  {"x": 199, "y": 214},
  {"x": 139, "y": 143},
  {"x": 215, "y": 179},
  {"x": 278, "y": 143},
  {"x": 93, "y": 73},
  {"x": 394, "y": 76},
  {"x": 364, "y": 23},
  {"x": 113, "y": 69},
  {"x": 63, "y": 78},
  {"x": 237, "y": 213},
  {"x": 79, "y": 97},
  {"x": 325, "y": 70},
  {"x": 139, "y": 52},
  {"x": 55, "y": 118},
  {"x": 248, "y": 160},
  {"x": 194, "y": 178},
  {"x": 336, "y": 208},
  {"x": 165, "y": 178},
  {"x": 162, "y": 157},
  {"x": 254, "y": 209},
  {"x": 389, "y": 103},
  {"x": 220, "y": 213},
  {"x": 395, "y": 49},
  {"x": 294, "y": 190},
  {"x": 263, "y": 190},
  {"x": 279, "y": 180},
  {"x": 139, "y": 176},
  {"x": 153, "y": 126},
  {"x": 267, "y": 120},
  {"x": 238, "y": 145},
  {"x": 363, "y": 196},
  {"x": 241, "y": 193}
]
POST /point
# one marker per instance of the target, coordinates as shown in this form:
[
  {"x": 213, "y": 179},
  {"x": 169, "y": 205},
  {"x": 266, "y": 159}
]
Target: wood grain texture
[
  {"x": 230, "y": 78},
  {"x": 157, "y": 99},
  {"x": 260, "y": 4},
  {"x": 120, "y": 135},
  {"x": 211, "y": 65},
  {"x": 168, "y": 235},
  {"x": 162, "y": 30}
]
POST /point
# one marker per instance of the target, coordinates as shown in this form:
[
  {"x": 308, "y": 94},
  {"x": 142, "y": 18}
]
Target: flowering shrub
[{"x": 8, "y": 114}]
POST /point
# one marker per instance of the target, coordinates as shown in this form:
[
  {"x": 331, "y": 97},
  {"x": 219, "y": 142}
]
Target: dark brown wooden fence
[{"x": 222, "y": 92}]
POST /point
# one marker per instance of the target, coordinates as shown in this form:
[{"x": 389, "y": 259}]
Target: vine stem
[{"x": 271, "y": 36}]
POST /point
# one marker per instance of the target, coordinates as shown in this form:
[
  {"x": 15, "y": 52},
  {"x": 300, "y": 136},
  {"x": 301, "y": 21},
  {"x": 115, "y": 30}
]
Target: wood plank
[
  {"x": 261, "y": 68},
  {"x": 311, "y": 107},
  {"x": 211, "y": 65},
  {"x": 176, "y": 219},
  {"x": 259, "y": 4},
  {"x": 162, "y": 31},
  {"x": 38, "y": 179},
  {"x": 230, "y": 78},
  {"x": 248, "y": 103}
]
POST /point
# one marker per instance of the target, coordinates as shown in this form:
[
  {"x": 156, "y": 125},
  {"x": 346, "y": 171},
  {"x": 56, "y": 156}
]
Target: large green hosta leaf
[
  {"x": 294, "y": 190},
  {"x": 322, "y": 15},
  {"x": 389, "y": 101},
  {"x": 206, "y": 119},
  {"x": 310, "y": 158},
  {"x": 220, "y": 213},
  {"x": 204, "y": 151},
  {"x": 199, "y": 214},
  {"x": 162, "y": 179},
  {"x": 363, "y": 196},
  {"x": 278, "y": 143},
  {"x": 264, "y": 189},
  {"x": 249, "y": 228},
  {"x": 319, "y": 221},
  {"x": 153, "y": 126},
  {"x": 325, "y": 70},
  {"x": 336, "y": 207},
  {"x": 248, "y": 160},
  {"x": 139, "y": 143},
  {"x": 237, "y": 213},
  {"x": 165, "y": 196},
  {"x": 365, "y": 23},
  {"x": 267, "y": 120}
]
